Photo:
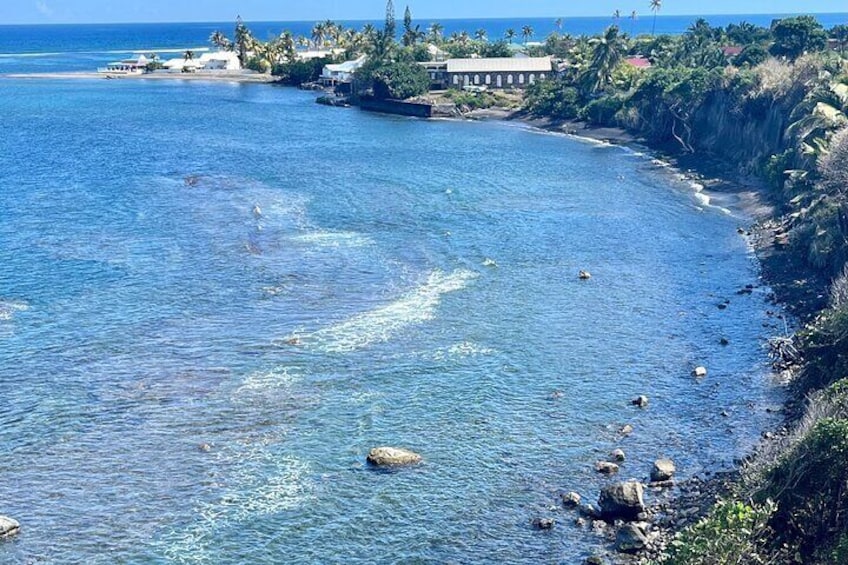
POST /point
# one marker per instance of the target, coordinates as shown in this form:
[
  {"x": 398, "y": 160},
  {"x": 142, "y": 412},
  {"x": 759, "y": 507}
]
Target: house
[
  {"x": 127, "y": 66},
  {"x": 639, "y": 62},
  {"x": 498, "y": 72},
  {"x": 437, "y": 70},
  {"x": 220, "y": 61},
  {"x": 334, "y": 75}
]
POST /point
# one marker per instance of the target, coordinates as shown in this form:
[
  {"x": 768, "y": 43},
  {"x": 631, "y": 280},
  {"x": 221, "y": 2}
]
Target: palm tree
[
  {"x": 558, "y": 25},
  {"x": 656, "y": 6},
  {"x": 188, "y": 56},
  {"x": 633, "y": 18},
  {"x": 840, "y": 34},
  {"x": 435, "y": 33},
  {"x": 219, "y": 40},
  {"x": 606, "y": 56},
  {"x": 510, "y": 35},
  {"x": 616, "y": 16},
  {"x": 319, "y": 34},
  {"x": 526, "y": 33},
  {"x": 480, "y": 34}
]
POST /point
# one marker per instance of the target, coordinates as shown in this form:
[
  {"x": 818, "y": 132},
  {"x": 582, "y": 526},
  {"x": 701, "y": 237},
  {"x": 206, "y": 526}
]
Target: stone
[
  {"x": 699, "y": 372},
  {"x": 618, "y": 455},
  {"x": 392, "y": 457},
  {"x": 724, "y": 341},
  {"x": 584, "y": 275},
  {"x": 663, "y": 470},
  {"x": 589, "y": 511},
  {"x": 543, "y": 523},
  {"x": 8, "y": 527},
  {"x": 571, "y": 499},
  {"x": 640, "y": 401},
  {"x": 594, "y": 560},
  {"x": 606, "y": 468},
  {"x": 622, "y": 501},
  {"x": 626, "y": 430},
  {"x": 631, "y": 538}
]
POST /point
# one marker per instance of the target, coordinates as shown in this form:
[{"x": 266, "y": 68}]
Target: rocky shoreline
[{"x": 677, "y": 505}]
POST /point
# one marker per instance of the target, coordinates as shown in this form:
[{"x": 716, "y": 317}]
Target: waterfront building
[{"x": 497, "y": 72}]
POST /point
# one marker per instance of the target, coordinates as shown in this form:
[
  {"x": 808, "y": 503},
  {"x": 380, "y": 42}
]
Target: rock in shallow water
[
  {"x": 606, "y": 468},
  {"x": 663, "y": 470},
  {"x": 631, "y": 538},
  {"x": 392, "y": 457},
  {"x": 622, "y": 501},
  {"x": 8, "y": 527}
]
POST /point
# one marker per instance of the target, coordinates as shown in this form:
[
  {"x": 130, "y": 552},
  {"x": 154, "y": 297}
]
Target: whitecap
[
  {"x": 8, "y": 308},
  {"x": 264, "y": 381},
  {"x": 381, "y": 324},
  {"x": 334, "y": 239}
]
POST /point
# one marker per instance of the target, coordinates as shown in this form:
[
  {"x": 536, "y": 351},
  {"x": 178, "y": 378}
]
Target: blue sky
[{"x": 96, "y": 11}]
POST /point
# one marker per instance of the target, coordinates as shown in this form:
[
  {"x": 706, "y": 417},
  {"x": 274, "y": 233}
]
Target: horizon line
[{"x": 553, "y": 18}]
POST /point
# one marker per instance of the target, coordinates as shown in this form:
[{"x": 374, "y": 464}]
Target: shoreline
[{"x": 793, "y": 289}]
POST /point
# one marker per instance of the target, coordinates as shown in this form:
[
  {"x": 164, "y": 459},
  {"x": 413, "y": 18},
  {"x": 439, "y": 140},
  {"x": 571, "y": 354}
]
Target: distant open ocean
[{"x": 52, "y": 48}]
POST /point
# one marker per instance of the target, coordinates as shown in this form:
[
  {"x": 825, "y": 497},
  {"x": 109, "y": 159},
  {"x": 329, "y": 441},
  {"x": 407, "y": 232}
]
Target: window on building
[
  {"x": 476, "y": 79},
  {"x": 521, "y": 78},
  {"x": 509, "y": 79},
  {"x": 488, "y": 79}
]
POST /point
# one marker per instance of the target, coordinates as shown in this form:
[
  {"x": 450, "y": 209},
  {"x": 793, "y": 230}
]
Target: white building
[
  {"x": 126, "y": 67},
  {"x": 341, "y": 73},
  {"x": 498, "y": 72},
  {"x": 220, "y": 61}
]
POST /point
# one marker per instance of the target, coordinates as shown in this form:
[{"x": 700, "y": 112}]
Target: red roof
[
  {"x": 639, "y": 62},
  {"x": 731, "y": 51}
]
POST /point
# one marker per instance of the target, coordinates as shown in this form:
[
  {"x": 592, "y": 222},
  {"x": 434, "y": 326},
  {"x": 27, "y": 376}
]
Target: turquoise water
[{"x": 215, "y": 299}]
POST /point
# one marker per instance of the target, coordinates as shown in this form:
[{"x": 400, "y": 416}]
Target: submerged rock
[
  {"x": 618, "y": 455},
  {"x": 663, "y": 470},
  {"x": 606, "y": 468},
  {"x": 584, "y": 275},
  {"x": 631, "y": 538},
  {"x": 641, "y": 401},
  {"x": 392, "y": 457},
  {"x": 622, "y": 501},
  {"x": 626, "y": 430},
  {"x": 543, "y": 523},
  {"x": 699, "y": 372},
  {"x": 571, "y": 499},
  {"x": 8, "y": 527}
]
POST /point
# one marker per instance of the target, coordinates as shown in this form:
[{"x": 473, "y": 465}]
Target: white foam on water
[
  {"x": 462, "y": 350},
  {"x": 381, "y": 324},
  {"x": 8, "y": 308},
  {"x": 334, "y": 239},
  {"x": 264, "y": 381},
  {"x": 263, "y": 485}
]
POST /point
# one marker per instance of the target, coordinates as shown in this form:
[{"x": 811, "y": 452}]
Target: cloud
[{"x": 43, "y": 8}]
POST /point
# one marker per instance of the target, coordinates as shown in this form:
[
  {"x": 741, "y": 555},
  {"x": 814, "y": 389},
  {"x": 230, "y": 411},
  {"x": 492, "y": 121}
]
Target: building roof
[
  {"x": 346, "y": 67},
  {"x": 219, "y": 56},
  {"x": 731, "y": 50},
  {"x": 639, "y": 62},
  {"x": 500, "y": 65}
]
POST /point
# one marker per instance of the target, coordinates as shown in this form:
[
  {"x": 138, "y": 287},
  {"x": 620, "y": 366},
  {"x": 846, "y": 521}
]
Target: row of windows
[{"x": 499, "y": 80}]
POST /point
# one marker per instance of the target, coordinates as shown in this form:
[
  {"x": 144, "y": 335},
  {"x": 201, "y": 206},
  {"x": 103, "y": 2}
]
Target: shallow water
[{"x": 289, "y": 285}]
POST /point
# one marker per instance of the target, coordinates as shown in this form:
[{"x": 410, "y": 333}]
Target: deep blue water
[
  {"x": 51, "y": 48},
  {"x": 162, "y": 244}
]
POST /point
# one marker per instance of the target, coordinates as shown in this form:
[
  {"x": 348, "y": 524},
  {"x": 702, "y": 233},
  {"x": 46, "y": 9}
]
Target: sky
[{"x": 101, "y": 11}]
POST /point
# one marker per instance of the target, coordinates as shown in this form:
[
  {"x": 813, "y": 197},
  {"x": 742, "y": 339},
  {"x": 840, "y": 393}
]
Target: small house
[
  {"x": 127, "y": 66},
  {"x": 334, "y": 75}
]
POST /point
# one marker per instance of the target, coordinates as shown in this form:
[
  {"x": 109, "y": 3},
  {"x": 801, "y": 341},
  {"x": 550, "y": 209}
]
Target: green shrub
[
  {"x": 602, "y": 111},
  {"x": 809, "y": 487},
  {"x": 731, "y": 534},
  {"x": 553, "y": 99},
  {"x": 400, "y": 81}
]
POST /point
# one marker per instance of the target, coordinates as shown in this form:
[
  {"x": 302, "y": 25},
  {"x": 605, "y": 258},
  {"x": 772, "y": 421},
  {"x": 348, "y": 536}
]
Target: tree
[
  {"x": 390, "y": 27},
  {"x": 558, "y": 25},
  {"x": 400, "y": 81},
  {"x": 220, "y": 41},
  {"x": 656, "y": 6},
  {"x": 509, "y": 35},
  {"x": 633, "y": 18},
  {"x": 840, "y": 34},
  {"x": 480, "y": 34},
  {"x": 411, "y": 35},
  {"x": 435, "y": 33},
  {"x": 527, "y": 33},
  {"x": 188, "y": 56},
  {"x": 616, "y": 16},
  {"x": 244, "y": 41},
  {"x": 798, "y": 35},
  {"x": 606, "y": 56}
]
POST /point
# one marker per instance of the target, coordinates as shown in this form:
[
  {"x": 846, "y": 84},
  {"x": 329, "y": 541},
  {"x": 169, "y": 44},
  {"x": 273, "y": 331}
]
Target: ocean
[
  {"x": 216, "y": 298},
  {"x": 58, "y": 48}
]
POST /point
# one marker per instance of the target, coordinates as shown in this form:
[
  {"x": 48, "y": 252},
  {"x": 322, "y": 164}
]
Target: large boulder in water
[
  {"x": 622, "y": 501},
  {"x": 392, "y": 457},
  {"x": 8, "y": 527}
]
